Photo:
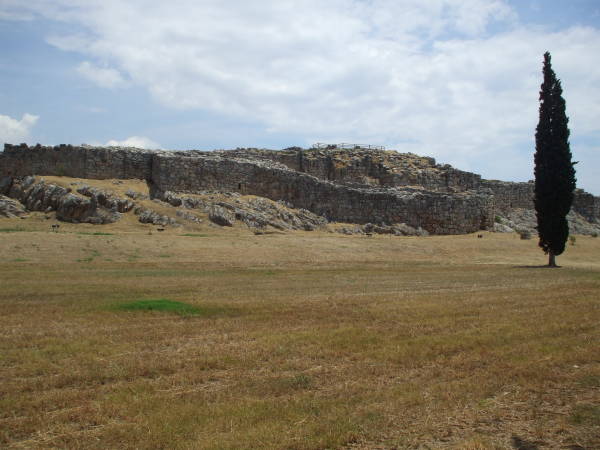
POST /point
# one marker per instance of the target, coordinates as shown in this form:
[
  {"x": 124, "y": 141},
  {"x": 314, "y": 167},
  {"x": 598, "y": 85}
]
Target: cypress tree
[{"x": 554, "y": 171}]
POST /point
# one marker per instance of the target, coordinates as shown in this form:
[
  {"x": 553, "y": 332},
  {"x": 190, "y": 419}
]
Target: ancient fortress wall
[
  {"x": 392, "y": 169},
  {"x": 79, "y": 162},
  {"x": 369, "y": 167},
  {"x": 354, "y": 186},
  {"x": 435, "y": 212},
  {"x": 508, "y": 195},
  {"x": 587, "y": 205}
]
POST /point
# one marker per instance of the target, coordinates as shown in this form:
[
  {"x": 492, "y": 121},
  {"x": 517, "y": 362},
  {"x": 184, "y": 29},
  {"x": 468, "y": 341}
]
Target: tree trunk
[{"x": 551, "y": 260}]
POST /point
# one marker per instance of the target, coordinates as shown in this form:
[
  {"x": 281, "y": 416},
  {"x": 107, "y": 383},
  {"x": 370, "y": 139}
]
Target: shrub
[{"x": 524, "y": 234}]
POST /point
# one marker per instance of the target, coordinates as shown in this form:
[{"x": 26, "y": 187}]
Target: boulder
[
  {"x": 149, "y": 216},
  {"x": 11, "y": 208},
  {"x": 221, "y": 216},
  {"x": 107, "y": 199}
]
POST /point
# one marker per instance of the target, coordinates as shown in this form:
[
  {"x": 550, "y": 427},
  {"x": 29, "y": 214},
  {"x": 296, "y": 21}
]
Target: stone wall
[
  {"x": 77, "y": 162},
  {"x": 438, "y": 213},
  {"x": 587, "y": 205},
  {"x": 508, "y": 196},
  {"x": 357, "y": 186},
  {"x": 368, "y": 168}
]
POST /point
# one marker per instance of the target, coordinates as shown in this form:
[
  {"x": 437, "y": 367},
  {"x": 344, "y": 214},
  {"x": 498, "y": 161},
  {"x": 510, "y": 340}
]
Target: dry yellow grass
[{"x": 319, "y": 340}]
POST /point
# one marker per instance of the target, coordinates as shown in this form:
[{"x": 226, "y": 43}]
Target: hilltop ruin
[{"x": 358, "y": 185}]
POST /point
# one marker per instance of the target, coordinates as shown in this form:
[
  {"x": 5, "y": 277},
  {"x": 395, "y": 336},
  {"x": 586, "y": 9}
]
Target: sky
[{"x": 454, "y": 79}]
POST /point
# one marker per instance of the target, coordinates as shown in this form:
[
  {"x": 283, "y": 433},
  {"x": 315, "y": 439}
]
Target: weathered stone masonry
[
  {"x": 436, "y": 212},
  {"x": 346, "y": 186},
  {"x": 78, "y": 162}
]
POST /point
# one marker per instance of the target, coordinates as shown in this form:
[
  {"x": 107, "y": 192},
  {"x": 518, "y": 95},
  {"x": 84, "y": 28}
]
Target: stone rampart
[
  {"x": 508, "y": 196},
  {"x": 368, "y": 167},
  {"x": 587, "y": 205},
  {"x": 78, "y": 162},
  {"x": 438, "y": 213},
  {"x": 347, "y": 186}
]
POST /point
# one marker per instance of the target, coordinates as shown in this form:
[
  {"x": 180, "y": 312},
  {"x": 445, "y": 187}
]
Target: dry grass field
[{"x": 298, "y": 340}]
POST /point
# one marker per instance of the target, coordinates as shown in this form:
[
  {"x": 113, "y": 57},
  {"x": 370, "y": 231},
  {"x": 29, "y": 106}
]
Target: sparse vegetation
[
  {"x": 91, "y": 256},
  {"x": 96, "y": 233},
  {"x": 303, "y": 340},
  {"x": 12, "y": 230},
  {"x": 160, "y": 305},
  {"x": 586, "y": 414}
]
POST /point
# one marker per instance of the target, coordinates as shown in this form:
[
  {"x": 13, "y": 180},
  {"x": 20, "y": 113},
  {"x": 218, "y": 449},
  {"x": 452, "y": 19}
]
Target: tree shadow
[{"x": 544, "y": 266}]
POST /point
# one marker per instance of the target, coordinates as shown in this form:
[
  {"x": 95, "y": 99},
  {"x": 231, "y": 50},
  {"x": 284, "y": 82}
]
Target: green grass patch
[
  {"x": 97, "y": 233},
  {"x": 592, "y": 381},
  {"x": 13, "y": 230},
  {"x": 171, "y": 306},
  {"x": 586, "y": 415},
  {"x": 135, "y": 256},
  {"x": 90, "y": 258},
  {"x": 18, "y": 260}
]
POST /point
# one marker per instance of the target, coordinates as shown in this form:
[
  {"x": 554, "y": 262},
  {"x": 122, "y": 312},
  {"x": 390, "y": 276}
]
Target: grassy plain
[{"x": 303, "y": 340}]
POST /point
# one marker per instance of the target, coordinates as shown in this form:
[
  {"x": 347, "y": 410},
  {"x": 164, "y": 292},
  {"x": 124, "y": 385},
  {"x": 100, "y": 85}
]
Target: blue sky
[{"x": 454, "y": 79}]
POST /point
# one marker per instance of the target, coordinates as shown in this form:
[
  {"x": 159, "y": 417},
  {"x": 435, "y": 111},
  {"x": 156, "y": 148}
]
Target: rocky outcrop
[
  {"x": 39, "y": 196},
  {"x": 11, "y": 208},
  {"x": 221, "y": 216},
  {"x": 146, "y": 215},
  {"x": 106, "y": 199},
  {"x": 368, "y": 229},
  {"x": 190, "y": 217},
  {"x": 520, "y": 219},
  {"x": 71, "y": 208},
  {"x": 254, "y": 212}
]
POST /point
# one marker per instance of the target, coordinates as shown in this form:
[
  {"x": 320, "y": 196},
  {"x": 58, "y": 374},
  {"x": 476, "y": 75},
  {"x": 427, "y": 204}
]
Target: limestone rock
[
  {"x": 72, "y": 208},
  {"x": 135, "y": 195},
  {"x": 107, "y": 199},
  {"x": 398, "y": 229},
  {"x": 520, "y": 219},
  {"x": 150, "y": 216},
  {"x": 39, "y": 196},
  {"x": 221, "y": 216},
  {"x": 188, "y": 216},
  {"x": 11, "y": 208},
  {"x": 502, "y": 228}
]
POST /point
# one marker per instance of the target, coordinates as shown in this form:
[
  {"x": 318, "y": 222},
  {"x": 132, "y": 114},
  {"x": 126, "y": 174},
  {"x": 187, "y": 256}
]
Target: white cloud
[
  {"x": 134, "y": 141},
  {"x": 13, "y": 131},
  {"x": 103, "y": 76},
  {"x": 424, "y": 76}
]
